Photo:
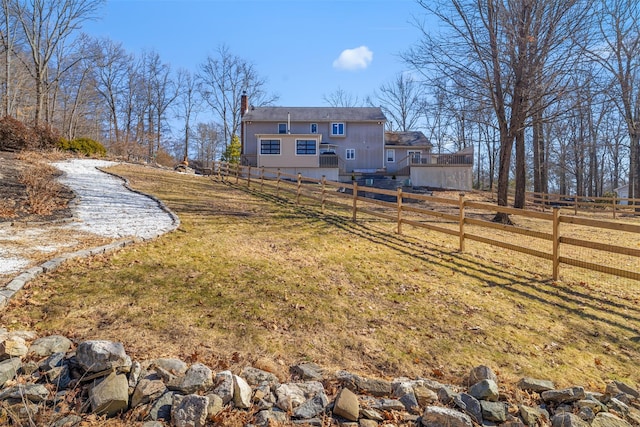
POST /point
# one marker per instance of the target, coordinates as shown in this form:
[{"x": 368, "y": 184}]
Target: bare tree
[
  {"x": 47, "y": 26},
  {"x": 618, "y": 52},
  {"x": 187, "y": 104},
  {"x": 498, "y": 50},
  {"x": 223, "y": 79},
  {"x": 341, "y": 98},
  {"x": 402, "y": 101}
]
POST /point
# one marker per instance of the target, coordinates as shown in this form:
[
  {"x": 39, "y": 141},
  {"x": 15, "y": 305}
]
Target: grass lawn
[{"x": 250, "y": 278}]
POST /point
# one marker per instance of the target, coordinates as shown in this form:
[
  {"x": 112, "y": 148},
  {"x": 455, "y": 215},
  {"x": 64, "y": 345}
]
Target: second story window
[
  {"x": 282, "y": 128},
  {"x": 337, "y": 129},
  {"x": 314, "y": 128},
  {"x": 350, "y": 154}
]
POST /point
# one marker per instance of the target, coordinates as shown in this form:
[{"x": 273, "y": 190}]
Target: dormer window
[
  {"x": 282, "y": 128},
  {"x": 337, "y": 129}
]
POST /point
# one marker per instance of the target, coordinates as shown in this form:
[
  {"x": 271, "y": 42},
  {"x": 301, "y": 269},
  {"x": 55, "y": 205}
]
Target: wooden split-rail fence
[{"x": 551, "y": 234}]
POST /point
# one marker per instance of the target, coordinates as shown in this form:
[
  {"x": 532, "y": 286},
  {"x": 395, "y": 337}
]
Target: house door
[{"x": 414, "y": 157}]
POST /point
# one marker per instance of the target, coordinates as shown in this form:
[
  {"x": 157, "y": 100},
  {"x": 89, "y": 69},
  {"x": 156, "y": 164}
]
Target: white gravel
[{"x": 104, "y": 206}]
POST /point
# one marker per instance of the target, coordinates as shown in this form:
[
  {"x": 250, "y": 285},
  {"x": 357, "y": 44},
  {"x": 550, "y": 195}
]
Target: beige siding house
[{"x": 314, "y": 141}]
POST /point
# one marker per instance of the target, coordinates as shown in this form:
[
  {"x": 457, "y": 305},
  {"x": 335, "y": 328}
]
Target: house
[
  {"x": 314, "y": 141},
  {"x": 622, "y": 193},
  {"x": 342, "y": 142}
]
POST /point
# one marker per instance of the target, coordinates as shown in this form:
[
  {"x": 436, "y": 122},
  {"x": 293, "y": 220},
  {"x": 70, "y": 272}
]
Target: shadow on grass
[{"x": 558, "y": 297}]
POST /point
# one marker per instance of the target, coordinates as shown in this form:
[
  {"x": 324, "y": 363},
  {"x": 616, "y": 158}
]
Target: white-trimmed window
[
  {"x": 391, "y": 155},
  {"x": 306, "y": 147},
  {"x": 313, "y": 128},
  {"x": 415, "y": 157},
  {"x": 270, "y": 147},
  {"x": 337, "y": 129},
  {"x": 282, "y": 128},
  {"x": 350, "y": 154}
]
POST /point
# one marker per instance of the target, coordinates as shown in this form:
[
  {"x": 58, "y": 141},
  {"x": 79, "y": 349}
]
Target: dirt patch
[{"x": 15, "y": 204}]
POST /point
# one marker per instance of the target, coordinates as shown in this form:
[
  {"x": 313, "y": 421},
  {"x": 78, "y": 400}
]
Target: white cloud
[{"x": 354, "y": 59}]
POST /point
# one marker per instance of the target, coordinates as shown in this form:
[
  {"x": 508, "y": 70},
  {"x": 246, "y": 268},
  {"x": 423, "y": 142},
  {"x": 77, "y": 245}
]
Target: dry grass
[{"x": 251, "y": 277}]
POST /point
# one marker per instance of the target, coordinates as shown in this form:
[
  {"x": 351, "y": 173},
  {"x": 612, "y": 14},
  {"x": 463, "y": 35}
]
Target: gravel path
[
  {"x": 103, "y": 209},
  {"x": 104, "y": 206}
]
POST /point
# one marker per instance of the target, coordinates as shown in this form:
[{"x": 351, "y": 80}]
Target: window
[
  {"x": 351, "y": 154},
  {"x": 282, "y": 128},
  {"x": 391, "y": 155},
  {"x": 414, "y": 157},
  {"x": 337, "y": 129},
  {"x": 269, "y": 146},
  {"x": 314, "y": 128},
  {"x": 305, "y": 146}
]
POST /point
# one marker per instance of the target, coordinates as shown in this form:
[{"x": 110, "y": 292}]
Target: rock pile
[{"x": 70, "y": 383}]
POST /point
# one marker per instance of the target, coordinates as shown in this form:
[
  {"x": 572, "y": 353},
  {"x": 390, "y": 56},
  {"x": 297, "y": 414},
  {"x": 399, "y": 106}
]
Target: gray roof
[
  {"x": 315, "y": 114},
  {"x": 407, "y": 139}
]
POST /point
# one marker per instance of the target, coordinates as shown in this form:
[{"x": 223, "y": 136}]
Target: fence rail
[{"x": 466, "y": 219}]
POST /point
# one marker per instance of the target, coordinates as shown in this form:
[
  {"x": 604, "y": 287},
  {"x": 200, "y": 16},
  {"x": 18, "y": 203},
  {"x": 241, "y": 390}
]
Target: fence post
[
  {"x": 324, "y": 191},
  {"x": 461, "y": 204},
  {"x": 575, "y": 205},
  {"x": 399, "y": 197},
  {"x": 355, "y": 200},
  {"x": 237, "y": 172},
  {"x": 614, "y": 205},
  {"x": 262, "y": 179},
  {"x": 556, "y": 242},
  {"x": 278, "y": 184},
  {"x": 249, "y": 177},
  {"x": 299, "y": 188}
]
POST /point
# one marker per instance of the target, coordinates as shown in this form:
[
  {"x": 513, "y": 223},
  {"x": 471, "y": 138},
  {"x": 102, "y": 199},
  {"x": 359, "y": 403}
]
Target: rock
[
  {"x": 446, "y": 395},
  {"x": 29, "y": 368},
  {"x": 312, "y": 407},
  {"x": 13, "y": 347},
  {"x": 389, "y": 405},
  {"x": 68, "y": 421},
  {"x": 53, "y": 361},
  {"x": 346, "y": 405},
  {"x": 436, "y": 416},
  {"x": 480, "y": 373},
  {"x": 585, "y": 413},
  {"x": 152, "y": 424},
  {"x": 148, "y": 389},
  {"x": 110, "y": 396},
  {"x": 371, "y": 414},
  {"x": 46, "y": 346},
  {"x": 174, "y": 366},
  {"x": 425, "y": 396},
  {"x": 267, "y": 418},
  {"x": 197, "y": 378},
  {"x": 485, "y": 390},
  {"x": 308, "y": 372},
  {"x": 290, "y": 396},
  {"x": 22, "y": 413},
  {"x": 241, "y": 393},
  {"x": 533, "y": 416},
  {"x": 605, "y": 419},
  {"x": 9, "y": 369},
  {"x": 538, "y": 386},
  {"x": 494, "y": 411},
  {"x": 134, "y": 375},
  {"x": 34, "y": 393},
  {"x": 404, "y": 392},
  {"x": 215, "y": 405},
  {"x": 60, "y": 377},
  {"x": 189, "y": 411},
  {"x": 224, "y": 386},
  {"x": 592, "y": 404},
  {"x": 567, "y": 419},
  {"x": 373, "y": 387},
  {"x": 98, "y": 356},
  {"x": 618, "y": 406},
  {"x": 566, "y": 395},
  {"x": 254, "y": 376},
  {"x": 470, "y": 405},
  {"x": 161, "y": 408},
  {"x": 627, "y": 389}
]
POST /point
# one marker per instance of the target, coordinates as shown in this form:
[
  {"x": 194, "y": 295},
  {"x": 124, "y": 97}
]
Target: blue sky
[{"x": 305, "y": 49}]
